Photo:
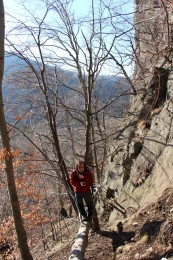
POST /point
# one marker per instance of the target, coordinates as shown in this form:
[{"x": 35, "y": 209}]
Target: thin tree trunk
[
  {"x": 62, "y": 165},
  {"x": 43, "y": 238},
  {"x": 18, "y": 222},
  {"x": 96, "y": 226}
]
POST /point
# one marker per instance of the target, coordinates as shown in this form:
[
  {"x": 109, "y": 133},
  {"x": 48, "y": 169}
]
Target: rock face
[{"x": 141, "y": 165}]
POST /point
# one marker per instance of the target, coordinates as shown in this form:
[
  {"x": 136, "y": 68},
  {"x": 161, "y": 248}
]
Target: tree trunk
[
  {"x": 62, "y": 164},
  {"x": 81, "y": 242},
  {"x": 96, "y": 226},
  {"x": 18, "y": 222}
]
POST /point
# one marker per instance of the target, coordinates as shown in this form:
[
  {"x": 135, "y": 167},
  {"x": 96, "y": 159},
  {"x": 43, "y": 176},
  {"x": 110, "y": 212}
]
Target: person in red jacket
[{"x": 81, "y": 180}]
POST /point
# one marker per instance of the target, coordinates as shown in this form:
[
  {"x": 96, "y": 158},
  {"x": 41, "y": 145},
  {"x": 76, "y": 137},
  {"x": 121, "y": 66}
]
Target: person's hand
[{"x": 81, "y": 176}]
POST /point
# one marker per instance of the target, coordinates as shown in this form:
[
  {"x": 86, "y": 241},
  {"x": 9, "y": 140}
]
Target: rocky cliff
[{"x": 140, "y": 167}]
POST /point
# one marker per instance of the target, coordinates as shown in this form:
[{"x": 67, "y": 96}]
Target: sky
[
  {"x": 81, "y": 8},
  {"x": 14, "y": 8},
  {"x": 81, "y": 5}
]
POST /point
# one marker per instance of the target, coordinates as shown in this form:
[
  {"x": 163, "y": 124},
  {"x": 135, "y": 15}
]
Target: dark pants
[{"x": 80, "y": 198}]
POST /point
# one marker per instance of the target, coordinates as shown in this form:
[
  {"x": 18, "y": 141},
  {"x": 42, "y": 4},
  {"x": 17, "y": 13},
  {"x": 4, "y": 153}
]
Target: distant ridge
[{"x": 107, "y": 87}]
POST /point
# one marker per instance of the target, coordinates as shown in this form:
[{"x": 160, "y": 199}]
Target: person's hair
[{"x": 78, "y": 163}]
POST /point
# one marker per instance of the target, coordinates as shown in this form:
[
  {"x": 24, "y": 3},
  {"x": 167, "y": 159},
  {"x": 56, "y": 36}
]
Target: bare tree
[
  {"x": 83, "y": 46},
  {"x": 19, "y": 226}
]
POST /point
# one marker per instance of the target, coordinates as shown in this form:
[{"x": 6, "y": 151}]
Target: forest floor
[{"x": 146, "y": 235}]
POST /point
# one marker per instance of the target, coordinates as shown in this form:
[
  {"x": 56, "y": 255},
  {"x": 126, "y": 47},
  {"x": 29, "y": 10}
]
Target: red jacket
[{"x": 77, "y": 182}]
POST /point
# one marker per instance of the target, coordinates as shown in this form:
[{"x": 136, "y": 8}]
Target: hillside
[
  {"x": 146, "y": 235},
  {"x": 136, "y": 189},
  {"x": 140, "y": 166},
  {"x": 138, "y": 175}
]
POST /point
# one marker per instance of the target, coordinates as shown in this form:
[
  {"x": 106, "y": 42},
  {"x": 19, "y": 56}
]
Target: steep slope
[
  {"x": 146, "y": 235},
  {"x": 140, "y": 166}
]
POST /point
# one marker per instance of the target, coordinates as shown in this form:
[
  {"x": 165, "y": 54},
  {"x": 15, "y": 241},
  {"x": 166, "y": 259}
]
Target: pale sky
[
  {"x": 14, "y": 8},
  {"x": 81, "y": 6},
  {"x": 12, "y": 5}
]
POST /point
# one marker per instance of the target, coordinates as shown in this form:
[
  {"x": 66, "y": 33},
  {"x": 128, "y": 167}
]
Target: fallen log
[{"x": 81, "y": 242}]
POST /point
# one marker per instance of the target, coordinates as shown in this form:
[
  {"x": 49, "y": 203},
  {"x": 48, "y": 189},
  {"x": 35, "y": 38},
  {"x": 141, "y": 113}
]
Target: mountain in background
[{"x": 107, "y": 87}]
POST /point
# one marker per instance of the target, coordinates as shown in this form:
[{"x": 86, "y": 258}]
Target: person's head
[{"x": 81, "y": 166}]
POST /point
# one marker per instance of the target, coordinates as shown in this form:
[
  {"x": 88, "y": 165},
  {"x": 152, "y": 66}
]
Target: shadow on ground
[{"x": 118, "y": 239}]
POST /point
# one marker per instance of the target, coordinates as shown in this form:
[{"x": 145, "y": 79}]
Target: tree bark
[
  {"x": 18, "y": 222},
  {"x": 81, "y": 242}
]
